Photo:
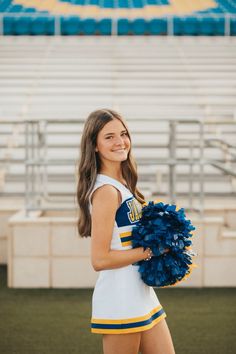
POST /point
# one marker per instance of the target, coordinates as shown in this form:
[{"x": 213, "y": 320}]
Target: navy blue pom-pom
[{"x": 167, "y": 232}]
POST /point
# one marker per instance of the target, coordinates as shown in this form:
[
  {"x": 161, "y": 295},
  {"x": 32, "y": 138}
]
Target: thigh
[
  {"x": 157, "y": 340},
  {"x": 121, "y": 343}
]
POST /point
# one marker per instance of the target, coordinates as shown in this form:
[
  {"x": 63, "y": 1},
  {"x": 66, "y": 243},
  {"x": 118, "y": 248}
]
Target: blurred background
[{"x": 169, "y": 68}]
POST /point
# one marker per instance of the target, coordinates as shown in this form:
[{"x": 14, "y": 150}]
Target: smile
[{"x": 119, "y": 150}]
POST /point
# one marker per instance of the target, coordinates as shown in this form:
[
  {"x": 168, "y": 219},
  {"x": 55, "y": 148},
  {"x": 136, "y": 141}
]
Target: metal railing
[{"x": 37, "y": 161}]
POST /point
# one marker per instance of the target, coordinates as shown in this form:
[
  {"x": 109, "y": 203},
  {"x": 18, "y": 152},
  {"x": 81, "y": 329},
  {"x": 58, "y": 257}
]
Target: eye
[
  {"x": 124, "y": 134},
  {"x": 108, "y": 137}
]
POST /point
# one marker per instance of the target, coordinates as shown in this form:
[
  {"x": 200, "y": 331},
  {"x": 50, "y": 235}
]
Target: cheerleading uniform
[{"x": 122, "y": 302}]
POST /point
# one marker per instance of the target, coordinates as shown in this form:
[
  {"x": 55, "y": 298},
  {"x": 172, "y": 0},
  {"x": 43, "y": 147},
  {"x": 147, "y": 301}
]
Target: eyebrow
[{"x": 123, "y": 131}]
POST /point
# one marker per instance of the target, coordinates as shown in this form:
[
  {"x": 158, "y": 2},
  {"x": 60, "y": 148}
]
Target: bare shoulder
[{"x": 107, "y": 195}]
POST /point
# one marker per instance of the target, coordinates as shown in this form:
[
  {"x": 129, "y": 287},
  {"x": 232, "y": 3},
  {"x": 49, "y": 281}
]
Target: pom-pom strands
[{"x": 168, "y": 233}]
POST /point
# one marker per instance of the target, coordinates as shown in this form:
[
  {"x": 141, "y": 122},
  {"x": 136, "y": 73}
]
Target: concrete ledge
[
  {"x": 7, "y": 209},
  {"x": 30, "y": 272},
  {"x": 215, "y": 244},
  {"x": 220, "y": 271},
  {"x": 46, "y": 251},
  {"x": 229, "y": 233}
]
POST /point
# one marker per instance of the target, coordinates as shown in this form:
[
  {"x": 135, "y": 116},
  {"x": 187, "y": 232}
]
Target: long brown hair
[{"x": 90, "y": 164}]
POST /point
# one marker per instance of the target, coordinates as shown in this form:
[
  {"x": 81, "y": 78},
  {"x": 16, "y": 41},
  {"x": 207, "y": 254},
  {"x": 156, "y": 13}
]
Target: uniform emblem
[
  {"x": 134, "y": 213},
  {"x": 128, "y": 213}
]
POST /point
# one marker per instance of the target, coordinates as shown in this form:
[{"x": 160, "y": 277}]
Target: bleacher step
[{"x": 229, "y": 233}]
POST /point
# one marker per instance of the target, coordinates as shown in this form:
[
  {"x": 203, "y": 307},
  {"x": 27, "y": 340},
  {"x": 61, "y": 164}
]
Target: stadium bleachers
[
  {"x": 147, "y": 79},
  {"x": 122, "y": 17}
]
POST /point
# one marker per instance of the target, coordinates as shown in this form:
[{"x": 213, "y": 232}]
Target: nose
[{"x": 119, "y": 140}]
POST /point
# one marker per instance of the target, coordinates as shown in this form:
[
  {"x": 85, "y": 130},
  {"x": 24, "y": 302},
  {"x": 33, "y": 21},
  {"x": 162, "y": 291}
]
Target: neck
[{"x": 113, "y": 172}]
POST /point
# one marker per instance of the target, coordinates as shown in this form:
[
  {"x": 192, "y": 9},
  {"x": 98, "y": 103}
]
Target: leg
[
  {"x": 121, "y": 343},
  {"x": 157, "y": 340}
]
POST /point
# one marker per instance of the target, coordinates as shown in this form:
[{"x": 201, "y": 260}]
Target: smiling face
[{"x": 113, "y": 143}]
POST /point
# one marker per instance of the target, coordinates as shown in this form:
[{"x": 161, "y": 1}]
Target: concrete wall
[
  {"x": 7, "y": 209},
  {"x": 45, "y": 251}
]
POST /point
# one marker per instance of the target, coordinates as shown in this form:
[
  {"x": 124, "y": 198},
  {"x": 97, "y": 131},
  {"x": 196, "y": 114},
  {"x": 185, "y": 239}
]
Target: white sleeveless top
[{"x": 122, "y": 302}]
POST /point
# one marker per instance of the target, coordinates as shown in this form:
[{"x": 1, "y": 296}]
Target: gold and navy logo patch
[
  {"x": 134, "y": 213},
  {"x": 127, "y": 215}
]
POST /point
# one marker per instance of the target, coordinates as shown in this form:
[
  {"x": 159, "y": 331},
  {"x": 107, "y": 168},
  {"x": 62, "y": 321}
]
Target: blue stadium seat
[
  {"x": 178, "y": 26},
  {"x": 123, "y": 4},
  {"x": 157, "y": 26},
  {"x": 16, "y": 8},
  {"x": 207, "y": 26},
  {"x": 105, "y": 26},
  {"x": 30, "y": 10},
  {"x": 138, "y": 4},
  {"x": 93, "y": 2},
  {"x": 220, "y": 26},
  {"x": 217, "y": 10},
  {"x": 38, "y": 26},
  {"x": 231, "y": 8},
  {"x": 22, "y": 26},
  {"x": 78, "y": 2},
  {"x": 8, "y": 25},
  {"x": 70, "y": 25},
  {"x": 88, "y": 26},
  {"x": 151, "y": 2},
  {"x": 233, "y": 26},
  {"x": 139, "y": 26},
  {"x": 42, "y": 25},
  {"x": 108, "y": 4},
  {"x": 51, "y": 25},
  {"x": 4, "y": 5},
  {"x": 190, "y": 26},
  {"x": 123, "y": 26}
]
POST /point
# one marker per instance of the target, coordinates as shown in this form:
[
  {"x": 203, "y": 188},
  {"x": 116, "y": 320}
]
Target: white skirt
[{"x": 123, "y": 303}]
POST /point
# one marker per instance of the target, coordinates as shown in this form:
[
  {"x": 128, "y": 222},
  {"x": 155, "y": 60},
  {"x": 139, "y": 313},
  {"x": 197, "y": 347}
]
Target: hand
[{"x": 148, "y": 254}]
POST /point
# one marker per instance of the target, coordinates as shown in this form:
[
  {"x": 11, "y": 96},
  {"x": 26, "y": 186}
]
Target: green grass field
[{"x": 52, "y": 321}]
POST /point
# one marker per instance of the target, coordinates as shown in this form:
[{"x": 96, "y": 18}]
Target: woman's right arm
[{"x": 105, "y": 204}]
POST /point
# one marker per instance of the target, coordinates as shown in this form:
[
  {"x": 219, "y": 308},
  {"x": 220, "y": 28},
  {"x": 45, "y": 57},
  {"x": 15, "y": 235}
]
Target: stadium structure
[
  {"x": 121, "y": 17},
  {"x": 169, "y": 68}
]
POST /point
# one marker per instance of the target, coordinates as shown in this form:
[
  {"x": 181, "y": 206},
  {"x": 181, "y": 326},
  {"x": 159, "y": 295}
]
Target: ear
[{"x": 96, "y": 149}]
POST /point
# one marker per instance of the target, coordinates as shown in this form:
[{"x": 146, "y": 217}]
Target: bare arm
[{"x": 105, "y": 204}]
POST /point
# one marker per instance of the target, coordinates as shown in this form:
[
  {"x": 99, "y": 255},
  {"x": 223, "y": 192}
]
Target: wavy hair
[{"x": 90, "y": 165}]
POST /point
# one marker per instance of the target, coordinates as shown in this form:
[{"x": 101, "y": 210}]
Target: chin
[{"x": 121, "y": 159}]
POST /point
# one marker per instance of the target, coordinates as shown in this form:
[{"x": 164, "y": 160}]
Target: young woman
[{"x": 125, "y": 310}]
